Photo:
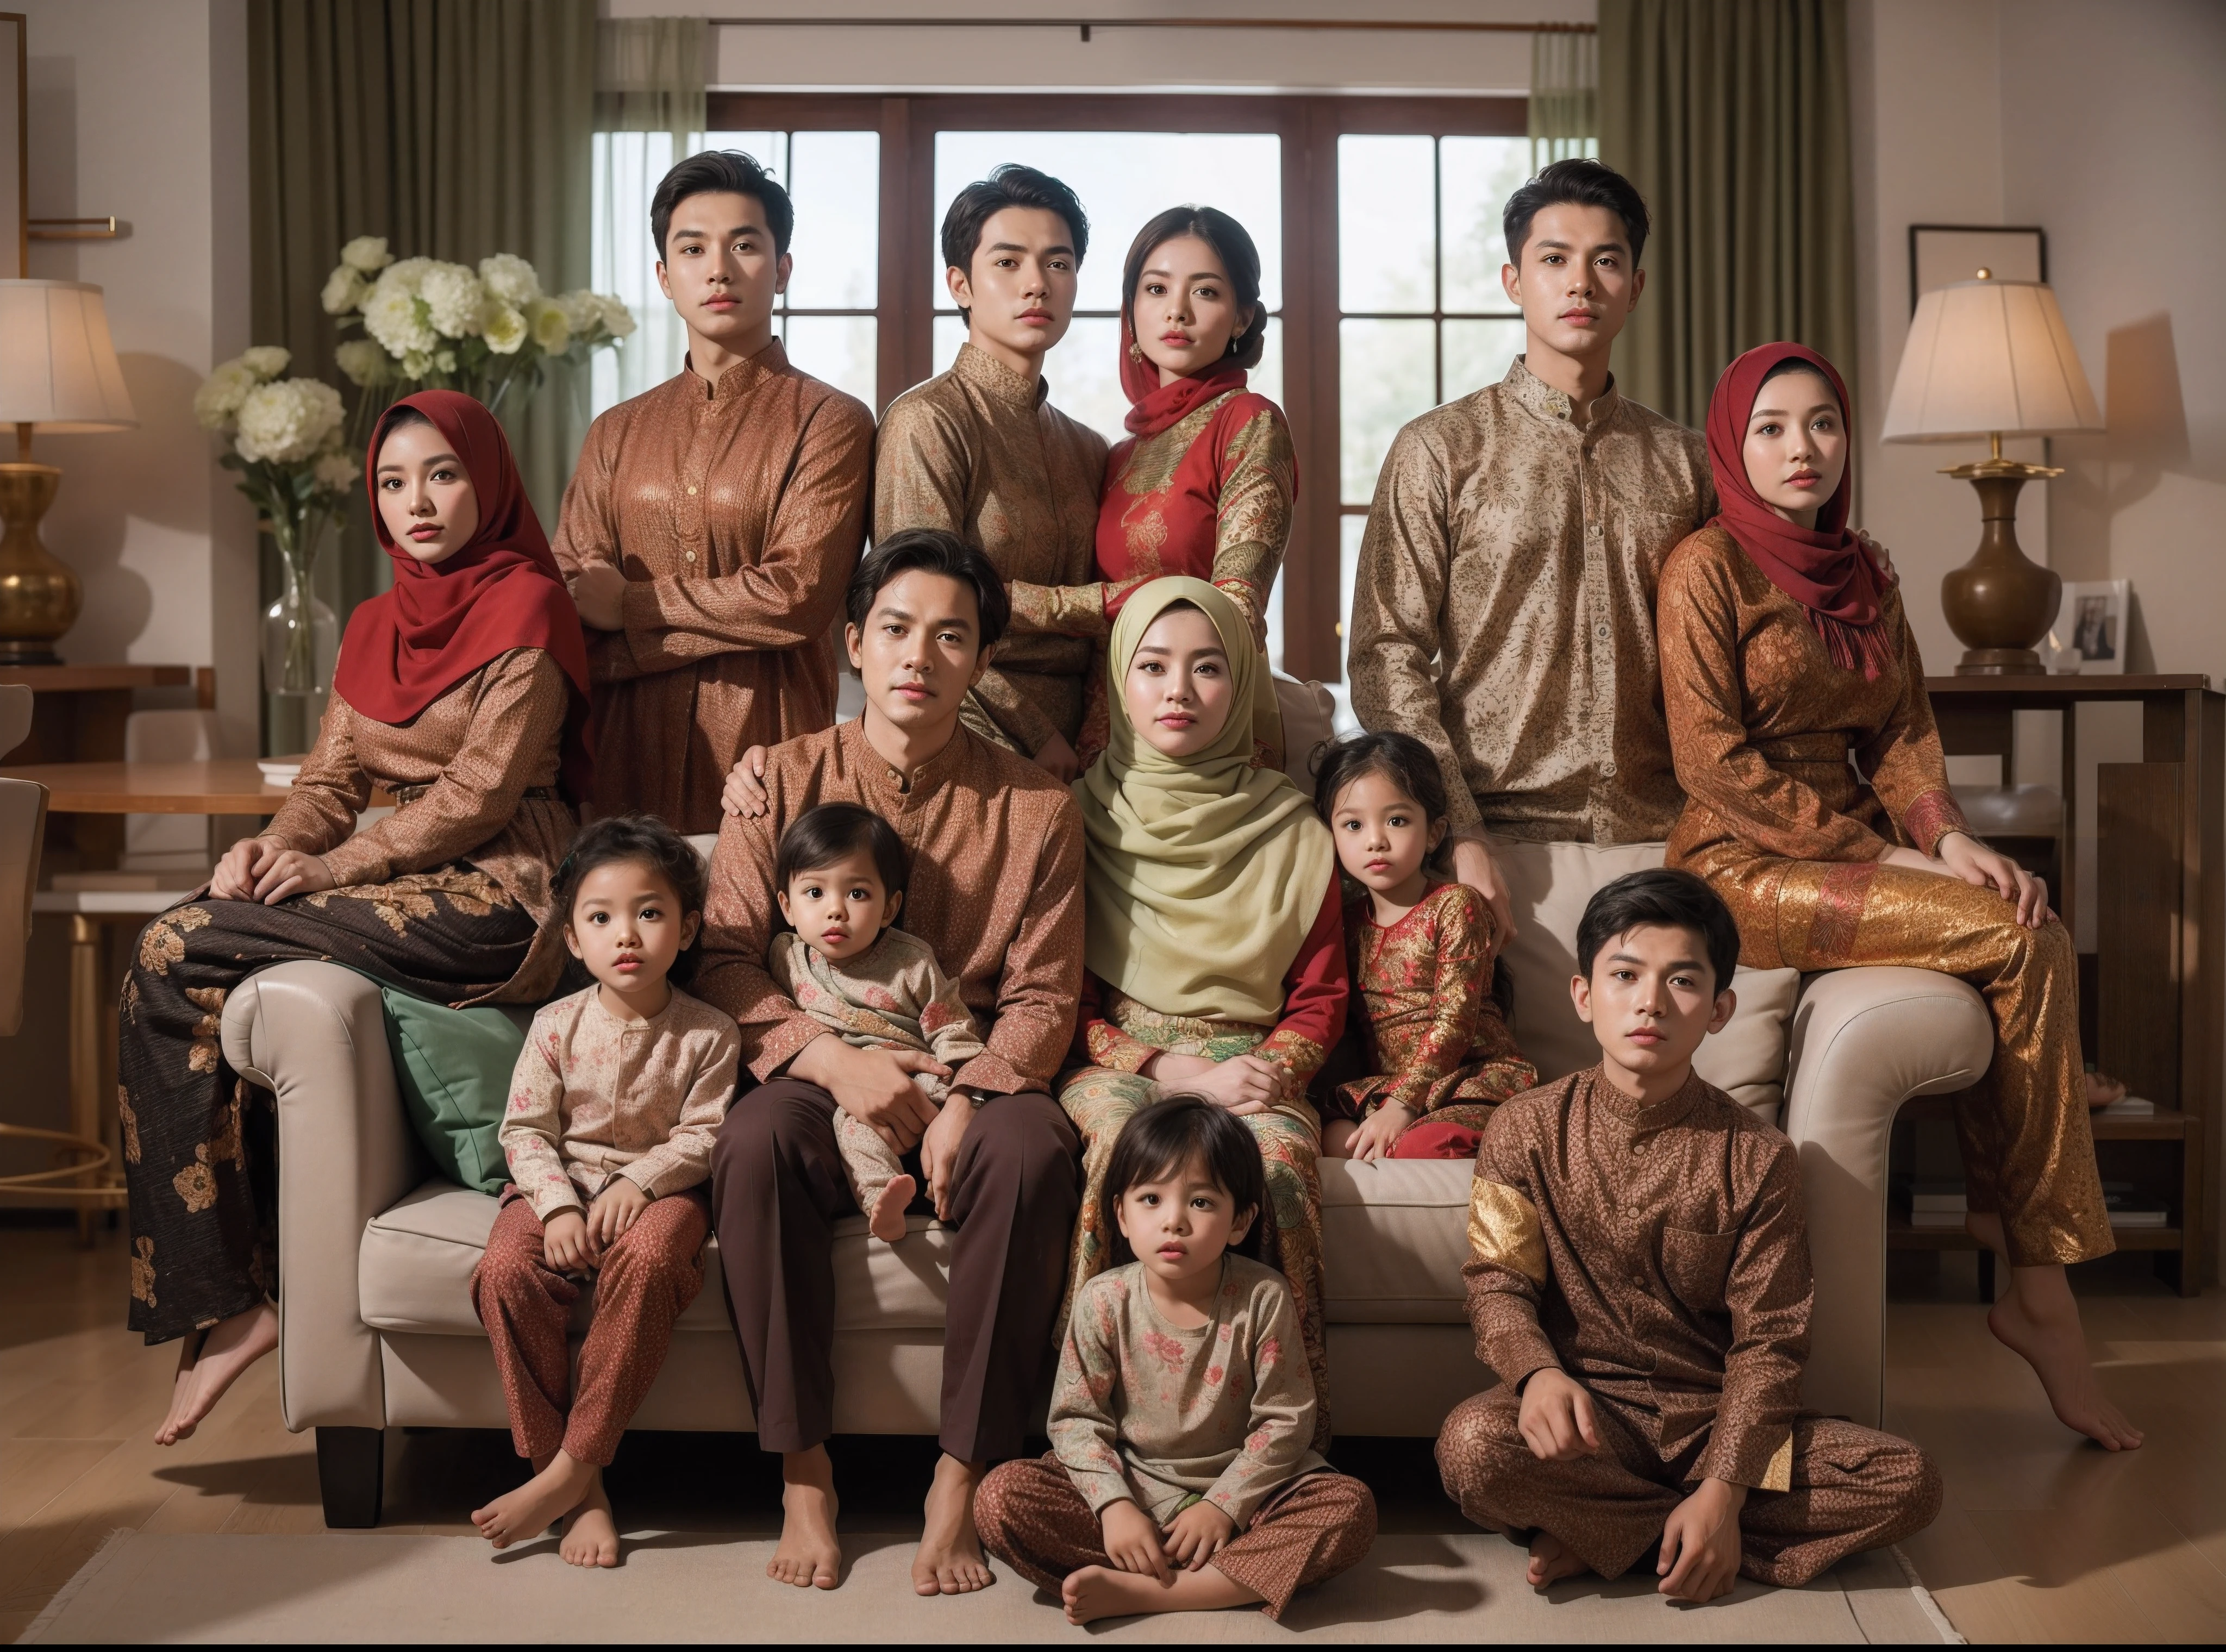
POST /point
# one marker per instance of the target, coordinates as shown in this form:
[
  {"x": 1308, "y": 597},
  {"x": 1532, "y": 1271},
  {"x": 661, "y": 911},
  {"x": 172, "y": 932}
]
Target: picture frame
[
  {"x": 2090, "y": 636},
  {"x": 1942, "y": 254},
  {"x": 15, "y": 146}
]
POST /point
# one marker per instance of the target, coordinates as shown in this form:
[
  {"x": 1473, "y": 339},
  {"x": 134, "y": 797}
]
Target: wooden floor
[{"x": 2041, "y": 1539}]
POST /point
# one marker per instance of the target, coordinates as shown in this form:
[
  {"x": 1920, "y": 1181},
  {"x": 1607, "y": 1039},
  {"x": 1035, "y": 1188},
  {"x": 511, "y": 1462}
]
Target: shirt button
[
  {"x": 1593, "y": 529},
  {"x": 1601, "y": 630},
  {"x": 1607, "y": 768},
  {"x": 691, "y": 555},
  {"x": 692, "y": 490}
]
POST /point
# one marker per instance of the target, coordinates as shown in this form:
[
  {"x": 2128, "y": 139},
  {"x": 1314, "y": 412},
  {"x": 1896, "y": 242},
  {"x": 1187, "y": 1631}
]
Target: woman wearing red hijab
[
  {"x": 1206, "y": 482},
  {"x": 1785, "y": 656},
  {"x": 462, "y": 692}
]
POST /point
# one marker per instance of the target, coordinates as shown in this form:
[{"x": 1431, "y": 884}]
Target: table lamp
[
  {"x": 1993, "y": 358},
  {"x": 58, "y": 373}
]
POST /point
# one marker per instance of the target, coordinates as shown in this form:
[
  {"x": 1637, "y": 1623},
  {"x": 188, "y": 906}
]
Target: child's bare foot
[
  {"x": 520, "y": 1516},
  {"x": 1551, "y": 1559},
  {"x": 2102, "y": 1089},
  {"x": 886, "y": 1221},
  {"x": 1095, "y": 1591},
  {"x": 950, "y": 1562},
  {"x": 227, "y": 1348},
  {"x": 2039, "y": 1320},
  {"x": 591, "y": 1533},
  {"x": 810, "y": 1556}
]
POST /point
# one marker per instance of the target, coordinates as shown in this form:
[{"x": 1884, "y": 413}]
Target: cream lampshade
[
  {"x": 1993, "y": 358},
  {"x": 58, "y": 372}
]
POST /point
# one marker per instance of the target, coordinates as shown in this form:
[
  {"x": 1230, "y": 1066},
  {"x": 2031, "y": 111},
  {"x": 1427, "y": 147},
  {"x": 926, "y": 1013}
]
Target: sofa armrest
[
  {"x": 315, "y": 1035},
  {"x": 1864, "y": 1041}
]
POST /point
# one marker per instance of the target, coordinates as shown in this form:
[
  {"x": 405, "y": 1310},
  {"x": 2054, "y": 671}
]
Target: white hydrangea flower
[
  {"x": 582, "y": 310},
  {"x": 503, "y": 328},
  {"x": 337, "y": 471},
  {"x": 454, "y": 296},
  {"x": 415, "y": 364},
  {"x": 510, "y": 278},
  {"x": 265, "y": 360},
  {"x": 289, "y": 421},
  {"x": 410, "y": 274},
  {"x": 343, "y": 291},
  {"x": 445, "y": 360},
  {"x": 391, "y": 315},
  {"x": 365, "y": 361},
  {"x": 221, "y": 392},
  {"x": 616, "y": 316},
  {"x": 366, "y": 253},
  {"x": 552, "y": 328}
]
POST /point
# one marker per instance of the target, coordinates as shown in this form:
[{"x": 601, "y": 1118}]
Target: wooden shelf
[
  {"x": 1902, "y": 1235},
  {"x": 2038, "y": 693},
  {"x": 94, "y": 679}
]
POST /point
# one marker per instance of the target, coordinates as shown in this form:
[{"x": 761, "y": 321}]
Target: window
[{"x": 1377, "y": 220}]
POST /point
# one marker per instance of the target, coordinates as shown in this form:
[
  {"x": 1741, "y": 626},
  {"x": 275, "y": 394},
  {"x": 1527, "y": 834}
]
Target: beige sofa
[{"x": 378, "y": 1329}]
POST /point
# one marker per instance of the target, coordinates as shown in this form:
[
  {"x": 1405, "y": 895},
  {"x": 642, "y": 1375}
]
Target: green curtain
[
  {"x": 650, "y": 74},
  {"x": 1564, "y": 95},
  {"x": 1731, "y": 115},
  {"x": 454, "y": 128}
]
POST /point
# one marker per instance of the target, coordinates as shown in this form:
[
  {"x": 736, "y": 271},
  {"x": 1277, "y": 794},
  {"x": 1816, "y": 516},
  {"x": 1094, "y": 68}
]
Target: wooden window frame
[{"x": 1308, "y": 127}]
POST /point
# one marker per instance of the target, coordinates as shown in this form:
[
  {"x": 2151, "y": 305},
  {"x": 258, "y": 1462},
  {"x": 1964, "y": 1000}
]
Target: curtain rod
[{"x": 1087, "y": 24}]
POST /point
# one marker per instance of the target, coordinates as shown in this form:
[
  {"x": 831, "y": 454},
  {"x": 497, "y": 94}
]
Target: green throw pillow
[{"x": 453, "y": 1068}]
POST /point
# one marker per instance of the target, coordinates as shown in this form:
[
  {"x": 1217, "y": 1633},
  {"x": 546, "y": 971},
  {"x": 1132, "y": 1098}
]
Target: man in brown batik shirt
[{"x": 712, "y": 522}]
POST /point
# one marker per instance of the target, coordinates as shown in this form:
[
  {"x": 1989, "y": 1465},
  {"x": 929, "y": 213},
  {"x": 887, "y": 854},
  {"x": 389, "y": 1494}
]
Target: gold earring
[{"x": 1136, "y": 351}]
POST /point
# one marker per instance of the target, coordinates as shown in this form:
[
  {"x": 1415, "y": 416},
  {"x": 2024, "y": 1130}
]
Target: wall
[{"x": 140, "y": 110}]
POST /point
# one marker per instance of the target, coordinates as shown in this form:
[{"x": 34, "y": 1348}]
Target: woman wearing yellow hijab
[{"x": 1216, "y": 943}]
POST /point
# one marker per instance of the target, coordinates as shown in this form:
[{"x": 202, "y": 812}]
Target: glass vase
[{"x": 301, "y": 635}]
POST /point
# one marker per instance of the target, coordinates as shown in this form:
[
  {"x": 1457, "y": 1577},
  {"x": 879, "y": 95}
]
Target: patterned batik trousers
[
  {"x": 1101, "y": 1100},
  {"x": 648, "y": 1278},
  {"x": 1031, "y": 1517},
  {"x": 1851, "y": 1489},
  {"x": 200, "y": 1142}
]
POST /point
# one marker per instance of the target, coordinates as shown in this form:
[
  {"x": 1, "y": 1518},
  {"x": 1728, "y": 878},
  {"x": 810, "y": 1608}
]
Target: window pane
[
  {"x": 1477, "y": 175},
  {"x": 838, "y": 348},
  {"x": 1123, "y": 179},
  {"x": 1387, "y": 236},
  {"x": 1268, "y": 377},
  {"x": 1479, "y": 354},
  {"x": 1388, "y": 374},
  {"x": 837, "y": 186},
  {"x": 1084, "y": 374}
]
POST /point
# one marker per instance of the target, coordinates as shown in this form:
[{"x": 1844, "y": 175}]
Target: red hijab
[
  {"x": 1153, "y": 406},
  {"x": 443, "y": 620},
  {"x": 1824, "y": 568}
]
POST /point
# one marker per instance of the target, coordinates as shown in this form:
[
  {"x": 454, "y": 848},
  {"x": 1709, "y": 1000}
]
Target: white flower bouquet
[
  {"x": 289, "y": 446},
  {"x": 488, "y": 332}
]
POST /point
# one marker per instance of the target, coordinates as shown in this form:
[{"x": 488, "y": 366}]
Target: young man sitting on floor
[{"x": 1638, "y": 1278}]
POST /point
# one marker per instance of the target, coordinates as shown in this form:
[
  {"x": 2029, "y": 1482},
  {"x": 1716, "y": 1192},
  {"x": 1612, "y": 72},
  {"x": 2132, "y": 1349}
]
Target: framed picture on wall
[
  {"x": 2089, "y": 637},
  {"x": 1943, "y": 254}
]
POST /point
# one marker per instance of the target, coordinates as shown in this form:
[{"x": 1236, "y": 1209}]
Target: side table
[{"x": 2160, "y": 943}]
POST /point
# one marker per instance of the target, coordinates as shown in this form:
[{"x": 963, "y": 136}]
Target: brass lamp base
[
  {"x": 39, "y": 596},
  {"x": 1999, "y": 604}
]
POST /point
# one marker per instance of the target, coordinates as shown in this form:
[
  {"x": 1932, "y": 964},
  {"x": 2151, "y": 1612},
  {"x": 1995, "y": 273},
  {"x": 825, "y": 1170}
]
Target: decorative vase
[
  {"x": 301, "y": 635},
  {"x": 39, "y": 595}
]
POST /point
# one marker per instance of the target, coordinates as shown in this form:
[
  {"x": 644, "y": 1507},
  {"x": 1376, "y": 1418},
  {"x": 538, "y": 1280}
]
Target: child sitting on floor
[
  {"x": 840, "y": 874},
  {"x": 613, "y": 1105},
  {"x": 1180, "y": 1477},
  {"x": 1435, "y": 1042},
  {"x": 1638, "y": 1279}
]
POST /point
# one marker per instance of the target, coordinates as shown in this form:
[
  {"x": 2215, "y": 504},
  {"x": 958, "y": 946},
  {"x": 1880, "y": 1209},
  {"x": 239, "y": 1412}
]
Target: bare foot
[
  {"x": 228, "y": 1348},
  {"x": 886, "y": 1221},
  {"x": 810, "y": 1556},
  {"x": 182, "y": 1391},
  {"x": 1551, "y": 1559},
  {"x": 2039, "y": 1320},
  {"x": 1097, "y": 1591},
  {"x": 591, "y": 1534},
  {"x": 949, "y": 1560},
  {"x": 520, "y": 1516},
  {"x": 2102, "y": 1089}
]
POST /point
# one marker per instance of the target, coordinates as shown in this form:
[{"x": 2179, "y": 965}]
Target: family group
[{"x": 1049, "y": 944}]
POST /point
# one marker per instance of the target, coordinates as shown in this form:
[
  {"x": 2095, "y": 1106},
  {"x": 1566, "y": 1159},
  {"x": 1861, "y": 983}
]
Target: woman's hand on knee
[
  {"x": 289, "y": 873},
  {"x": 240, "y": 866},
  {"x": 1241, "y": 1084},
  {"x": 1988, "y": 868}
]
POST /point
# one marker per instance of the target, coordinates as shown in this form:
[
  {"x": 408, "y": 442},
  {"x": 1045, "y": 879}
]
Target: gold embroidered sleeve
[
  {"x": 1023, "y": 720},
  {"x": 1294, "y": 1052},
  {"x": 1067, "y": 610},
  {"x": 1508, "y": 1266},
  {"x": 330, "y": 791},
  {"x": 1259, "y": 489}
]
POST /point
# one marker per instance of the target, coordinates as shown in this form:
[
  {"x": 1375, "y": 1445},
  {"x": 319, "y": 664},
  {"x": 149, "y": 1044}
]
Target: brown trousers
[
  {"x": 777, "y": 1189},
  {"x": 1852, "y": 1489},
  {"x": 647, "y": 1279},
  {"x": 1030, "y": 1516}
]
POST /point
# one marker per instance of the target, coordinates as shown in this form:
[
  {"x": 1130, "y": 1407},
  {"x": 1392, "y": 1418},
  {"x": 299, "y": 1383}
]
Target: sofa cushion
[
  {"x": 453, "y": 1068},
  {"x": 414, "y": 1270},
  {"x": 1549, "y": 885},
  {"x": 1395, "y": 1234}
]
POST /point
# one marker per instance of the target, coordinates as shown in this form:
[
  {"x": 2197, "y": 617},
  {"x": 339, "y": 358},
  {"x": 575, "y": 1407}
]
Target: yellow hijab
[{"x": 1204, "y": 874}]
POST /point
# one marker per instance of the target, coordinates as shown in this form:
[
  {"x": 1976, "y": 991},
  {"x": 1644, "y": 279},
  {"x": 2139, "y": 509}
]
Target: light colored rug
[{"x": 703, "y": 1586}]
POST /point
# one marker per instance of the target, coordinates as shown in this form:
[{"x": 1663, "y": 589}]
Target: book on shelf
[
  {"x": 2128, "y": 1107},
  {"x": 2129, "y": 1208}
]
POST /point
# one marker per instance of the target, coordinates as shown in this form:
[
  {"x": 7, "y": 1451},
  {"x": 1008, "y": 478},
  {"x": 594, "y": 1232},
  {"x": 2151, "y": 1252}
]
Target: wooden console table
[
  {"x": 77, "y": 716},
  {"x": 2159, "y": 937}
]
